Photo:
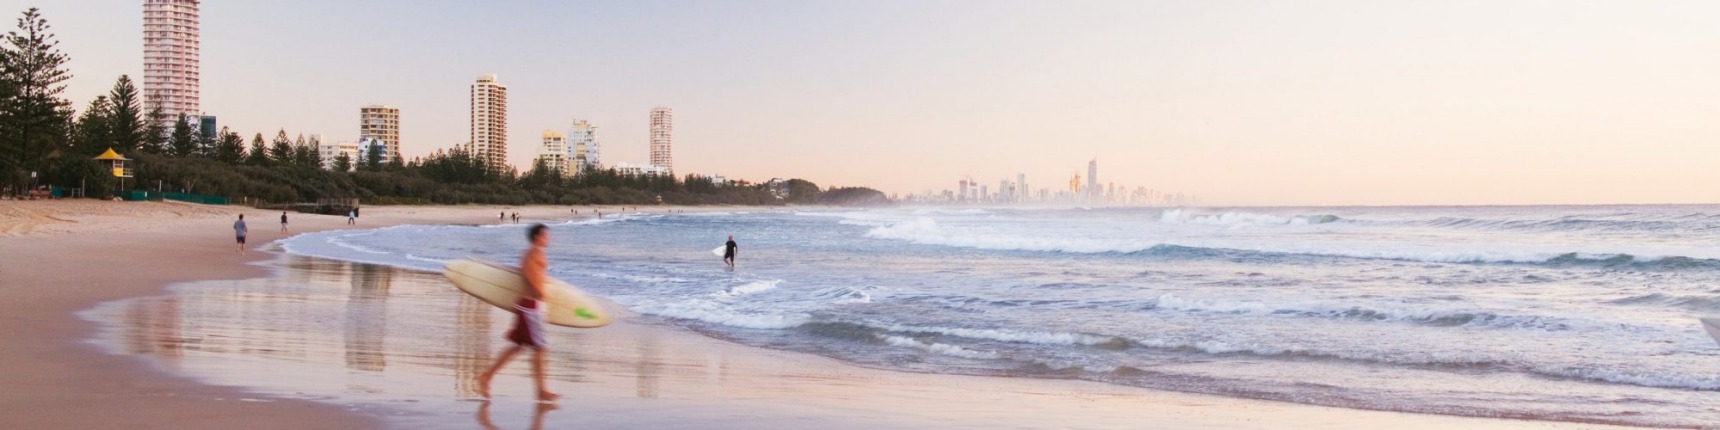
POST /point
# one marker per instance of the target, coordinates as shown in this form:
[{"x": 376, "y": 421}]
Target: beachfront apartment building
[
  {"x": 333, "y": 150},
  {"x": 553, "y": 153},
  {"x": 171, "y": 80},
  {"x": 380, "y": 123},
  {"x": 630, "y": 169},
  {"x": 662, "y": 125},
  {"x": 489, "y": 126},
  {"x": 582, "y": 138}
]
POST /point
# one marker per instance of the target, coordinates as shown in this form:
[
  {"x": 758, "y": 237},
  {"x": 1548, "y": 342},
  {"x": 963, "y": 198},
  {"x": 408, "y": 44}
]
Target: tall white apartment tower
[
  {"x": 582, "y": 137},
  {"x": 661, "y": 126},
  {"x": 490, "y": 121},
  {"x": 170, "y": 50},
  {"x": 382, "y": 123}
]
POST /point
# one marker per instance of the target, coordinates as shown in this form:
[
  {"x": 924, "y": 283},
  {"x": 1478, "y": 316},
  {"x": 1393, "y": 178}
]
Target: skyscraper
[
  {"x": 382, "y": 123},
  {"x": 489, "y": 121},
  {"x": 583, "y": 139},
  {"x": 1093, "y": 190},
  {"x": 170, "y": 59},
  {"x": 553, "y": 153},
  {"x": 661, "y": 126},
  {"x": 1021, "y": 192}
]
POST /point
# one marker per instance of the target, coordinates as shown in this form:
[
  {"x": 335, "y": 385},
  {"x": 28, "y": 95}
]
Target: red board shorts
[{"x": 528, "y": 325}]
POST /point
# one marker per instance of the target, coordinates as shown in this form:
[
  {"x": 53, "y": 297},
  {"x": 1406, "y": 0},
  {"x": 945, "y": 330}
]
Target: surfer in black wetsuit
[{"x": 729, "y": 252}]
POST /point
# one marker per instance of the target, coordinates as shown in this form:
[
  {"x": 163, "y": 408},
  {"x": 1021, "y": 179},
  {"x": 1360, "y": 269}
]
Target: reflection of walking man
[
  {"x": 528, "y": 322},
  {"x": 729, "y": 251}
]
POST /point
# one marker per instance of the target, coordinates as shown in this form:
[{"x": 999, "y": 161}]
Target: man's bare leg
[
  {"x": 537, "y": 376},
  {"x": 484, "y": 379}
]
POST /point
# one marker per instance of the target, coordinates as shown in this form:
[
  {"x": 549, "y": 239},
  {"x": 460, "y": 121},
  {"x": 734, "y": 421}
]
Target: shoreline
[{"x": 844, "y": 395}]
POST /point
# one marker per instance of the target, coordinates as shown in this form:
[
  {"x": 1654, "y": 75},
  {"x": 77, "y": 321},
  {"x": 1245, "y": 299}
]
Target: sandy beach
[{"x": 64, "y": 258}]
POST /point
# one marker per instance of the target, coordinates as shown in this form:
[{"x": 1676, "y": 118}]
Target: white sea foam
[
  {"x": 938, "y": 348},
  {"x": 1033, "y": 337},
  {"x": 709, "y": 313},
  {"x": 752, "y": 287},
  {"x": 1184, "y": 216}
]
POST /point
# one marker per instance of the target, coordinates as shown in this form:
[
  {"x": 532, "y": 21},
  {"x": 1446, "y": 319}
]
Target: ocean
[{"x": 1575, "y": 313}]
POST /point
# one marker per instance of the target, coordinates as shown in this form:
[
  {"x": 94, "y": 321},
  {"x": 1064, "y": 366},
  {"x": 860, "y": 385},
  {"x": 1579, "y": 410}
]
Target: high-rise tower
[
  {"x": 1093, "y": 190},
  {"x": 553, "y": 153},
  {"x": 583, "y": 140},
  {"x": 382, "y": 123},
  {"x": 170, "y": 65},
  {"x": 661, "y": 127},
  {"x": 489, "y": 122}
]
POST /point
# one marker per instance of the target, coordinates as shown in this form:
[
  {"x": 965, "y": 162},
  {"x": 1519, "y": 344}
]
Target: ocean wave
[
  {"x": 1688, "y": 302},
  {"x": 1425, "y": 359},
  {"x": 1184, "y": 216},
  {"x": 1434, "y": 316},
  {"x": 938, "y": 348},
  {"x": 709, "y": 313},
  {"x": 1574, "y": 223},
  {"x": 843, "y": 295},
  {"x": 926, "y": 231},
  {"x": 752, "y": 287}
]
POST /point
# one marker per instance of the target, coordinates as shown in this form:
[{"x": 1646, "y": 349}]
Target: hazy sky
[{"x": 1241, "y": 103}]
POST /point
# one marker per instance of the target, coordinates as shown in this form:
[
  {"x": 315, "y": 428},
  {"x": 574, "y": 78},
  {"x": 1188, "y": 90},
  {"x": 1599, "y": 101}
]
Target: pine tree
[
  {"x": 34, "y": 118},
  {"x": 154, "y": 135},
  {"x": 125, "y": 122},
  {"x": 182, "y": 143},
  {"x": 342, "y": 163},
  {"x": 281, "y": 151},
  {"x": 230, "y": 148},
  {"x": 373, "y": 156},
  {"x": 259, "y": 153},
  {"x": 92, "y": 134}
]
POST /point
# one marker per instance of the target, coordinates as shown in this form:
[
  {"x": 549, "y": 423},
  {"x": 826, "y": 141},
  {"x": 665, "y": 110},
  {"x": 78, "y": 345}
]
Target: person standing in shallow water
[
  {"x": 528, "y": 318},
  {"x": 729, "y": 250}
]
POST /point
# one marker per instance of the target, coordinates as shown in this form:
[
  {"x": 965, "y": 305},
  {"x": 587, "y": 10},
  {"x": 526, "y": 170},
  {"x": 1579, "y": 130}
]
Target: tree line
[{"x": 44, "y": 141}]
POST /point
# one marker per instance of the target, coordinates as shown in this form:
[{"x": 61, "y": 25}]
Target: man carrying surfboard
[
  {"x": 729, "y": 251},
  {"x": 528, "y": 320}
]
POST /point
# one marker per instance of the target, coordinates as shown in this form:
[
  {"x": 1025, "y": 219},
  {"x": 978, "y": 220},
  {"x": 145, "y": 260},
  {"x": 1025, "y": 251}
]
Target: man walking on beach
[
  {"x": 240, "y": 230},
  {"x": 351, "y": 217},
  {"x": 283, "y": 221},
  {"x": 528, "y": 318},
  {"x": 729, "y": 252}
]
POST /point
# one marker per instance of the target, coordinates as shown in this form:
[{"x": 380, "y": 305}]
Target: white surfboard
[
  {"x": 501, "y": 285},
  {"x": 1712, "y": 326},
  {"x": 719, "y": 250}
]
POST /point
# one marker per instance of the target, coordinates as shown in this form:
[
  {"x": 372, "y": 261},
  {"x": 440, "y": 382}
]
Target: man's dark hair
[{"x": 535, "y": 231}]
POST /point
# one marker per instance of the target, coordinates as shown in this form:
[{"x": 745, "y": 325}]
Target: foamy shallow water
[{"x": 1571, "y": 314}]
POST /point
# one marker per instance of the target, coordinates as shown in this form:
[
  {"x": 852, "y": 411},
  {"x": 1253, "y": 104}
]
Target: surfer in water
[
  {"x": 528, "y": 318},
  {"x": 729, "y": 252}
]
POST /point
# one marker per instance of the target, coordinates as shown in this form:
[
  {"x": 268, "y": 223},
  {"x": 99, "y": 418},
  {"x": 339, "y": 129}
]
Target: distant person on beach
[
  {"x": 283, "y": 221},
  {"x": 239, "y": 230},
  {"x": 528, "y": 317},
  {"x": 502, "y": 217},
  {"x": 351, "y": 217},
  {"x": 729, "y": 251}
]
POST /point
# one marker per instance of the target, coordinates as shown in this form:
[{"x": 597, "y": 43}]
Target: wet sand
[
  {"x": 60, "y": 257},
  {"x": 294, "y": 342}
]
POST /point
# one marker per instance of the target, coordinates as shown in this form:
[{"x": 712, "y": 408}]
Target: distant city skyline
[{"x": 1340, "y": 102}]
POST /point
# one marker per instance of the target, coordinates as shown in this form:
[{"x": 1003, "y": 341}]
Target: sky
[{"x": 1238, "y": 102}]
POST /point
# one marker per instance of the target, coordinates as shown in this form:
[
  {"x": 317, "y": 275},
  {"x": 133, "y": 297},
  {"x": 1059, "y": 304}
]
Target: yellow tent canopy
[{"x": 110, "y": 156}]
